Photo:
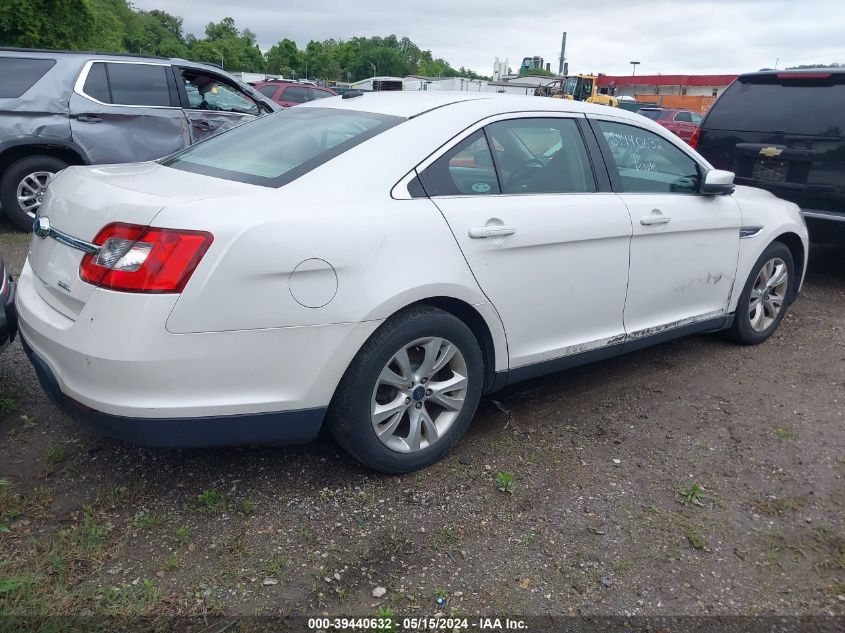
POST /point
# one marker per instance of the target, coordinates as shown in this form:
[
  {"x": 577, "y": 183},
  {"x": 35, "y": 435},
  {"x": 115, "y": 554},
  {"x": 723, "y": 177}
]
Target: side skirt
[{"x": 509, "y": 377}]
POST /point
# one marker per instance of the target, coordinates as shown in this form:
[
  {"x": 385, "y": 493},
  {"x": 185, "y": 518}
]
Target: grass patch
[
  {"x": 171, "y": 562},
  {"x": 8, "y": 403},
  {"x": 694, "y": 537},
  {"x": 246, "y": 506},
  {"x": 782, "y": 505},
  {"x": 505, "y": 481},
  {"x": 276, "y": 564},
  {"x": 150, "y": 520},
  {"x": 129, "y": 600},
  {"x": 785, "y": 433},
  {"x": 183, "y": 535},
  {"x": 56, "y": 454},
  {"x": 693, "y": 493},
  {"x": 211, "y": 502}
]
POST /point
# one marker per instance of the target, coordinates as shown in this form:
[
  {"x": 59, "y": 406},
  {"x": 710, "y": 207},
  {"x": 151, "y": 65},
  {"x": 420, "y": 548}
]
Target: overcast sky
[{"x": 684, "y": 36}]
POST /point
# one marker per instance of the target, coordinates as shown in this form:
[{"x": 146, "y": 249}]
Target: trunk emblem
[
  {"x": 771, "y": 151},
  {"x": 63, "y": 285},
  {"x": 41, "y": 227}
]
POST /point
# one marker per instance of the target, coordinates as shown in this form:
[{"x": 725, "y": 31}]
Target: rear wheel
[
  {"x": 410, "y": 393},
  {"x": 764, "y": 299},
  {"x": 23, "y": 186}
]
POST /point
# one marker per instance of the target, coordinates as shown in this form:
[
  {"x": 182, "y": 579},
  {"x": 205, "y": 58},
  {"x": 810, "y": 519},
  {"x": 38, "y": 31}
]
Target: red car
[
  {"x": 290, "y": 93},
  {"x": 681, "y": 122}
]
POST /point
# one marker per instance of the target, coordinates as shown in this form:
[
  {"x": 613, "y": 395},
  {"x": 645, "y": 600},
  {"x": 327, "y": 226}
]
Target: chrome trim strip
[
  {"x": 79, "y": 86},
  {"x": 749, "y": 231},
  {"x": 823, "y": 215},
  {"x": 41, "y": 228}
]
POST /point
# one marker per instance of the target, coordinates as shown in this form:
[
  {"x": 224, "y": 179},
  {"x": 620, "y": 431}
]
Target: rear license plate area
[{"x": 770, "y": 170}]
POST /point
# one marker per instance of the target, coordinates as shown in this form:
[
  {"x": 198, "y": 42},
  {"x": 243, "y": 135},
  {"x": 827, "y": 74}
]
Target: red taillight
[
  {"x": 135, "y": 258},
  {"x": 693, "y": 141},
  {"x": 804, "y": 76}
]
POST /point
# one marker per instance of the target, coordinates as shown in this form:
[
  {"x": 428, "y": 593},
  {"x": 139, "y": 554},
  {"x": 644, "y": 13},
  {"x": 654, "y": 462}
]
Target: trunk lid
[{"x": 82, "y": 200}]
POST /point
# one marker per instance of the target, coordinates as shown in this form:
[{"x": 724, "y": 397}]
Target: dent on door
[{"x": 128, "y": 134}]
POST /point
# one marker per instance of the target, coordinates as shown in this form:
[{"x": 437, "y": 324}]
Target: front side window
[
  {"x": 541, "y": 156},
  {"x": 206, "y": 92},
  {"x": 20, "y": 74},
  {"x": 138, "y": 84},
  {"x": 648, "y": 163},
  {"x": 465, "y": 170},
  {"x": 303, "y": 139}
]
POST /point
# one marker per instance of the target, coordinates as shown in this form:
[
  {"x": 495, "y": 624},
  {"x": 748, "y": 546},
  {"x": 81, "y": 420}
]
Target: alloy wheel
[
  {"x": 419, "y": 394},
  {"x": 768, "y": 294},
  {"x": 31, "y": 190}
]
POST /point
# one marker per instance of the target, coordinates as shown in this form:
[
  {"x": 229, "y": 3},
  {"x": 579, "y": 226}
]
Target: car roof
[
  {"x": 85, "y": 55},
  {"x": 775, "y": 71},
  {"x": 413, "y": 103}
]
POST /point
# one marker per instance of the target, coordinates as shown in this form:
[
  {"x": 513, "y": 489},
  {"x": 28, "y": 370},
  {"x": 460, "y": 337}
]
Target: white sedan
[{"x": 377, "y": 262}]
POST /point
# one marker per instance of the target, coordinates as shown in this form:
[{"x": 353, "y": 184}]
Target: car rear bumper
[
  {"x": 116, "y": 366},
  {"x": 283, "y": 427},
  {"x": 8, "y": 313}
]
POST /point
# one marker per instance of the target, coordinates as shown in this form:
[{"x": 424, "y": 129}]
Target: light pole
[
  {"x": 221, "y": 57},
  {"x": 306, "y": 70},
  {"x": 374, "y": 67},
  {"x": 634, "y": 68}
]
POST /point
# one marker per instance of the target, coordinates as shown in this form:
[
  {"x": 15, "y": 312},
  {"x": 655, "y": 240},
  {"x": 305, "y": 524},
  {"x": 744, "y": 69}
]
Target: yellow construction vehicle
[{"x": 585, "y": 88}]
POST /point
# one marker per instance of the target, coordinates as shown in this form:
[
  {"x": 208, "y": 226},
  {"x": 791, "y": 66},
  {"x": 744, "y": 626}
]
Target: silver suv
[{"x": 59, "y": 109}]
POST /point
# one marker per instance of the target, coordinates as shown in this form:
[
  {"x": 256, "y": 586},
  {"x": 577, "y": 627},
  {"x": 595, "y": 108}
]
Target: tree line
[{"x": 115, "y": 26}]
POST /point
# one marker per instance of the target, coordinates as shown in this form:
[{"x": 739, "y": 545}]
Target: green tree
[{"x": 63, "y": 24}]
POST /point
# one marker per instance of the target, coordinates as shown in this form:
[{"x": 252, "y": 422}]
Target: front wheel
[
  {"x": 410, "y": 393},
  {"x": 764, "y": 299}
]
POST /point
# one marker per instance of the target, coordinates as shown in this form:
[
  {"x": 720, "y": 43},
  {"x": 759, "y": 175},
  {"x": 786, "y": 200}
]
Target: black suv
[
  {"x": 59, "y": 109},
  {"x": 784, "y": 131}
]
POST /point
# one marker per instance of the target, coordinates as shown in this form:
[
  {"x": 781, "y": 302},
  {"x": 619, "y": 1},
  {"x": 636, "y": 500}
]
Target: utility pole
[
  {"x": 634, "y": 68},
  {"x": 560, "y": 67},
  {"x": 221, "y": 56}
]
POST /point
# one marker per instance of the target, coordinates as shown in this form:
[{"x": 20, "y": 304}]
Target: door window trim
[
  {"x": 615, "y": 180},
  {"x": 603, "y": 184},
  {"x": 79, "y": 86}
]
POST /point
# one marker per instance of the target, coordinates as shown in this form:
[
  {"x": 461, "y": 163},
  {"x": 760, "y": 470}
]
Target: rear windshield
[
  {"x": 791, "y": 106},
  {"x": 654, "y": 115},
  {"x": 20, "y": 74},
  {"x": 276, "y": 149}
]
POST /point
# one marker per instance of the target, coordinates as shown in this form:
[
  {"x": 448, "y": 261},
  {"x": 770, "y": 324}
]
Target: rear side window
[
  {"x": 128, "y": 84},
  {"x": 267, "y": 91},
  {"x": 684, "y": 117},
  {"x": 97, "y": 84},
  {"x": 654, "y": 115},
  {"x": 20, "y": 74},
  {"x": 138, "y": 84},
  {"x": 320, "y": 94},
  {"x": 297, "y": 94},
  {"x": 465, "y": 170},
  {"x": 766, "y": 103},
  {"x": 304, "y": 139}
]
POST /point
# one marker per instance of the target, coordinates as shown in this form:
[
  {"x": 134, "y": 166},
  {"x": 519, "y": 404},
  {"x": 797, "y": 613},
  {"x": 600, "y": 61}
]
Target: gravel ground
[{"x": 696, "y": 477}]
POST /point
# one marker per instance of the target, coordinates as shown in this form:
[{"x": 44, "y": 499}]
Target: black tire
[
  {"x": 13, "y": 176},
  {"x": 742, "y": 330},
  {"x": 349, "y": 418}
]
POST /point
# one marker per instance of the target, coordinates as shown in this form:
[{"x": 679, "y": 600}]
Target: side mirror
[
  {"x": 483, "y": 158},
  {"x": 717, "y": 182}
]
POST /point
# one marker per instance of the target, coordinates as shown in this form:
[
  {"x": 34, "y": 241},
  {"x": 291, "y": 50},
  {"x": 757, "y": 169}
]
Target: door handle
[
  {"x": 88, "y": 118},
  {"x": 482, "y": 232},
  {"x": 656, "y": 217}
]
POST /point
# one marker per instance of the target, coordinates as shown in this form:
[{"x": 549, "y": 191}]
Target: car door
[
  {"x": 127, "y": 111},
  {"x": 546, "y": 240},
  {"x": 685, "y": 245},
  {"x": 212, "y": 104}
]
